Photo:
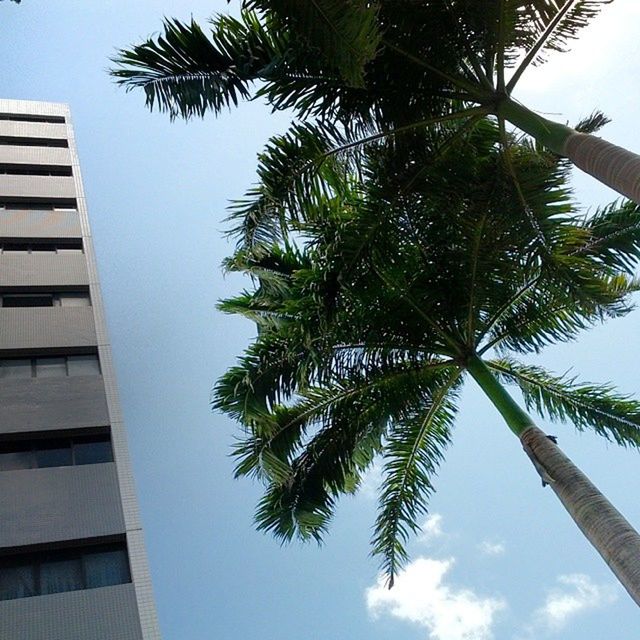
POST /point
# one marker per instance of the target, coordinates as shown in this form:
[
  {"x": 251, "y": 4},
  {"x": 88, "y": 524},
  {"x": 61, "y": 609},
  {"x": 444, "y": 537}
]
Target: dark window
[
  {"x": 28, "y": 300},
  {"x": 106, "y": 567},
  {"x": 62, "y": 248},
  {"x": 86, "y": 365},
  {"x": 92, "y": 450},
  {"x": 17, "y": 581},
  {"x": 30, "y": 117},
  {"x": 60, "y": 574},
  {"x": 42, "y": 573},
  {"x": 34, "y": 170},
  {"x": 50, "y": 367},
  {"x": 16, "y": 368},
  {"x": 55, "y": 452},
  {"x": 21, "y": 141},
  {"x": 63, "y": 299},
  {"x": 16, "y": 455}
]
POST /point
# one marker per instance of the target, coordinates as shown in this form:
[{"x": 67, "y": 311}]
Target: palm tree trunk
[
  {"x": 614, "y": 166},
  {"x": 601, "y": 523}
]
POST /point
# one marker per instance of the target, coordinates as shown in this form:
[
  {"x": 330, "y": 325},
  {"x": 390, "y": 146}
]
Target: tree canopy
[{"x": 380, "y": 298}]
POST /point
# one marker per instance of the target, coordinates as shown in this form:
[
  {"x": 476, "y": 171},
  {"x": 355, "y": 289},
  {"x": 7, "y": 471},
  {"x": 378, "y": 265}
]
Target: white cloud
[
  {"x": 577, "y": 594},
  {"x": 447, "y": 613},
  {"x": 431, "y": 528},
  {"x": 489, "y": 548},
  {"x": 371, "y": 481}
]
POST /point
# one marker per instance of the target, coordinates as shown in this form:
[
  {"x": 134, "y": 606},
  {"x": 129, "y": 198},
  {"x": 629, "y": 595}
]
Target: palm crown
[
  {"x": 360, "y": 71},
  {"x": 370, "y": 314}
]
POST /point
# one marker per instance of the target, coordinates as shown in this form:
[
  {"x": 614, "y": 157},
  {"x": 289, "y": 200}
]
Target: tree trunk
[
  {"x": 614, "y": 166},
  {"x": 602, "y": 524}
]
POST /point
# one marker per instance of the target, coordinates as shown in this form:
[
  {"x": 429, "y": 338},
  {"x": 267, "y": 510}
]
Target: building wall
[{"x": 61, "y": 506}]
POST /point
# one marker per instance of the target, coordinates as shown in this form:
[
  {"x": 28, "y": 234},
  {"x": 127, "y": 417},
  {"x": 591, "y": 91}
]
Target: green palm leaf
[
  {"x": 413, "y": 452},
  {"x": 586, "y": 405},
  {"x": 345, "y": 34}
]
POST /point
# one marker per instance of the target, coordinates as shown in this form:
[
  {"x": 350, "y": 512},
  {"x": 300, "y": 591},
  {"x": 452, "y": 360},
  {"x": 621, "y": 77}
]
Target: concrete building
[{"x": 72, "y": 558}]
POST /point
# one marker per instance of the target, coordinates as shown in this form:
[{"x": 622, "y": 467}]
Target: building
[{"x": 72, "y": 559}]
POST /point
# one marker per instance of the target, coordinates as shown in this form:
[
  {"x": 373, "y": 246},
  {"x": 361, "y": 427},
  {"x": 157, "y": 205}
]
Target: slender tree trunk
[
  {"x": 612, "y": 165},
  {"x": 602, "y": 524}
]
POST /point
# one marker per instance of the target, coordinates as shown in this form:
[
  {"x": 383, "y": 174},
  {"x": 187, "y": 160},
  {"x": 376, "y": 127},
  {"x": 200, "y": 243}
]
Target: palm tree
[
  {"x": 358, "y": 71},
  {"x": 373, "y": 312}
]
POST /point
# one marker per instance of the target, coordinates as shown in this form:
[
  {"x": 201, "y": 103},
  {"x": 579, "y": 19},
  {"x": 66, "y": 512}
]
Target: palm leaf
[
  {"x": 186, "y": 73},
  {"x": 344, "y": 33},
  {"x": 413, "y": 451},
  {"x": 586, "y": 405}
]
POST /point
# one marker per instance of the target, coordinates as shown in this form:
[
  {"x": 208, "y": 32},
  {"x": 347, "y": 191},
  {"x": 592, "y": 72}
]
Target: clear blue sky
[{"x": 500, "y": 558}]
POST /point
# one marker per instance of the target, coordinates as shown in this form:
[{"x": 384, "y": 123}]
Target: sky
[{"x": 498, "y": 557}]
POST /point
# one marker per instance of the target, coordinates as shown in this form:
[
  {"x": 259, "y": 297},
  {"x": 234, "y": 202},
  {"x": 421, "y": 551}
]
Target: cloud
[
  {"x": 371, "y": 481},
  {"x": 421, "y": 597},
  {"x": 431, "y": 528},
  {"x": 576, "y": 594},
  {"x": 488, "y": 548}
]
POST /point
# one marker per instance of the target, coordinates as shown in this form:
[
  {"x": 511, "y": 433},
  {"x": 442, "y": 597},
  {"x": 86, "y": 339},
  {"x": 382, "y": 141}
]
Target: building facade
[{"x": 72, "y": 559}]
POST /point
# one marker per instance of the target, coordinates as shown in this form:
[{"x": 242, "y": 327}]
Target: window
[
  {"x": 34, "y": 170},
  {"x": 67, "y": 451},
  {"x": 50, "y": 366},
  {"x": 63, "y": 299},
  {"x": 21, "y": 141},
  {"x": 58, "y": 571},
  {"x": 65, "y": 248},
  {"x": 52, "y": 204},
  {"x": 30, "y": 117},
  {"x": 72, "y": 299},
  {"x": 15, "y": 368},
  {"x": 27, "y": 300},
  {"x": 83, "y": 365}
]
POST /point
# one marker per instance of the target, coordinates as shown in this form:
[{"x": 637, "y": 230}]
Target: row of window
[
  {"x": 55, "y": 452},
  {"x": 62, "y": 570},
  {"x": 50, "y": 366},
  {"x": 59, "y": 204},
  {"x": 65, "y": 299},
  {"x": 62, "y": 248},
  {"x": 21, "y": 141},
  {"x": 34, "y": 170},
  {"x": 30, "y": 117}
]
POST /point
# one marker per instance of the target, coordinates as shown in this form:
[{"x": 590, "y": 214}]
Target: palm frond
[
  {"x": 186, "y": 73},
  {"x": 345, "y": 34},
  {"x": 614, "y": 235},
  {"x": 352, "y": 424},
  {"x": 413, "y": 451},
  {"x": 587, "y": 406},
  {"x": 541, "y": 26}
]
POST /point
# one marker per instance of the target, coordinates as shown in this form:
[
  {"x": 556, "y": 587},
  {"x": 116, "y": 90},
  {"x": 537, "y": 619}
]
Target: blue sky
[{"x": 498, "y": 557}]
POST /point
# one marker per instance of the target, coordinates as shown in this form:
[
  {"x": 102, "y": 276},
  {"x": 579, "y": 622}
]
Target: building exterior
[{"x": 72, "y": 559}]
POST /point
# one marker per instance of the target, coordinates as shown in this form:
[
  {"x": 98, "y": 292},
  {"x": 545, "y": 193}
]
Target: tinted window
[
  {"x": 92, "y": 450},
  {"x": 83, "y": 365},
  {"x": 17, "y": 581},
  {"x": 51, "y": 367},
  {"x": 19, "y": 368},
  {"x": 16, "y": 455},
  {"x": 53, "y": 453},
  {"x": 60, "y": 574},
  {"x": 31, "y": 300},
  {"x": 105, "y": 568}
]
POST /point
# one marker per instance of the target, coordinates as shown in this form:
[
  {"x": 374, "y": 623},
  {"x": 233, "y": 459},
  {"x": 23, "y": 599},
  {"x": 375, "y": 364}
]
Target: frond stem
[
  {"x": 517, "y": 419},
  {"x": 533, "y": 52}
]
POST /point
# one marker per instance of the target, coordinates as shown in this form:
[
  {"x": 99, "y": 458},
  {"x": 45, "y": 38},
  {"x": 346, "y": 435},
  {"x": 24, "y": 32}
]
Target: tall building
[{"x": 72, "y": 559}]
